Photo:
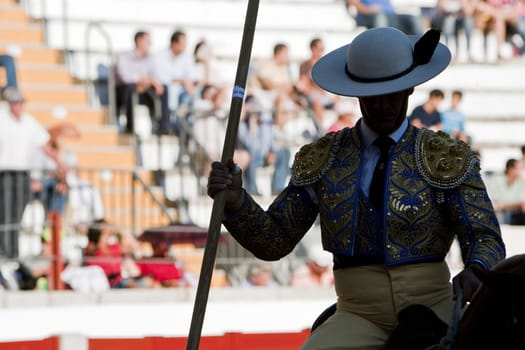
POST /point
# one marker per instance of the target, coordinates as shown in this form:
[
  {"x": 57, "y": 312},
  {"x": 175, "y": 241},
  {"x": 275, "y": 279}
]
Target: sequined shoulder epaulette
[
  {"x": 313, "y": 160},
  {"x": 443, "y": 161}
]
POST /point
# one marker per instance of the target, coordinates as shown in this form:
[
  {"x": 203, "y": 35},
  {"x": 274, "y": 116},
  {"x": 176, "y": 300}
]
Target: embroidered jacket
[{"x": 434, "y": 192}]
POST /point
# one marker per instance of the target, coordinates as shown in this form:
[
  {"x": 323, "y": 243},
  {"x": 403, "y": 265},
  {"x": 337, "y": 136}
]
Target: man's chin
[{"x": 388, "y": 128}]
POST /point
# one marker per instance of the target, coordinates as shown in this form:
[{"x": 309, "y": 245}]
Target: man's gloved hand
[
  {"x": 468, "y": 281},
  {"x": 226, "y": 177}
]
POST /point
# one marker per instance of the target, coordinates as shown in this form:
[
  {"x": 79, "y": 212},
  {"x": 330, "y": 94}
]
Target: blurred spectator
[
  {"x": 522, "y": 162},
  {"x": 8, "y": 63},
  {"x": 136, "y": 81},
  {"x": 273, "y": 92},
  {"x": 505, "y": 18},
  {"x": 453, "y": 119},
  {"x": 20, "y": 132},
  {"x": 316, "y": 271},
  {"x": 130, "y": 269},
  {"x": 381, "y": 13},
  {"x": 289, "y": 132},
  {"x": 428, "y": 115},
  {"x": 451, "y": 17},
  {"x": 207, "y": 69},
  {"x": 53, "y": 184},
  {"x": 103, "y": 250},
  {"x": 110, "y": 249},
  {"x": 273, "y": 87},
  {"x": 281, "y": 151},
  {"x": 318, "y": 99},
  {"x": 16, "y": 275},
  {"x": 176, "y": 69},
  {"x": 84, "y": 203},
  {"x": 259, "y": 275},
  {"x": 209, "y": 126},
  {"x": 508, "y": 194},
  {"x": 210, "y": 120},
  {"x": 85, "y": 279},
  {"x": 256, "y": 137},
  {"x": 515, "y": 24},
  {"x": 288, "y": 135},
  {"x": 346, "y": 114}
]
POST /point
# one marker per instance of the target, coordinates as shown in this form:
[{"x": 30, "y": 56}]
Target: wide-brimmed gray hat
[{"x": 380, "y": 61}]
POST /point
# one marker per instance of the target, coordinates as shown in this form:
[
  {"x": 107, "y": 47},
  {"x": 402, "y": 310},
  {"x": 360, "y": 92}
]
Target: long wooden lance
[{"x": 214, "y": 230}]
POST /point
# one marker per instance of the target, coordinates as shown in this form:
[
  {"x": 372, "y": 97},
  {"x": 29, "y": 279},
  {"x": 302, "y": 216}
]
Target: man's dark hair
[
  {"x": 314, "y": 42},
  {"x": 205, "y": 89},
  {"x": 523, "y": 150},
  {"x": 458, "y": 93},
  {"x": 139, "y": 35},
  {"x": 510, "y": 164},
  {"x": 175, "y": 37},
  {"x": 436, "y": 93},
  {"x": 278, "y": 48},
  {"x": 95, "y": 230}
]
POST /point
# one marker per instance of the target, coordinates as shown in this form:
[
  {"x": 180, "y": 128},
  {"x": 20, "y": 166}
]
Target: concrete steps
[
  {"x": 102, "y": 136},
  {"x": 60, "y": 94},
  {"x": 50, "y": 114},
  {"x": 482, "y": 77},
  {"x": 36, "y": 53},
  {"x": 104, "y": 157},
  {"x": 21, "y": 33},
  {"x": 43, "y": 74},
  {"x": 51, "y": 95},
  {"x": 11, "y": 13}
]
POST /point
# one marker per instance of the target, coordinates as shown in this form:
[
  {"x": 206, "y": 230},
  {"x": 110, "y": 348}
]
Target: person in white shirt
[
  {"x": 21, "y": 136},
  {"x": 176, "y": 68},
  {"x": 508, "y": 194},
  {"x": 136, "y": 75}
]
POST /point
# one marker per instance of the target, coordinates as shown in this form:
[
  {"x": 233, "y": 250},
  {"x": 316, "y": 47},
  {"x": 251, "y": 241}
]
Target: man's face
[
  {"x": 16, "y": 108},
  {"x": 263, "y": 278},
  {"x": 144, "y": 43},
  {"x": 179, "y": 46},
  {"x": 435, "y": 102},
  {"x": 318, "y": 50},
  {"x": 456, "y": 100},
  {"x": 282, "y": 57},
  {"x": 384, "y": 114}
]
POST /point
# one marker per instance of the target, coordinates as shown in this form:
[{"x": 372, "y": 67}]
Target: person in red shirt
[
  {"x": 115, "y": 253},
  {"x": 104, "y": 250}
]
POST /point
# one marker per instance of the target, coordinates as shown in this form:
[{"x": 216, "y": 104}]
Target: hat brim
[{"x": 329, "y": 72}]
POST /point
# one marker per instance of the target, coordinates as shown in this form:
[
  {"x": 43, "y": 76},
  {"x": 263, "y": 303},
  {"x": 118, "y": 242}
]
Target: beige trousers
[{"x": 369, "y": 298}]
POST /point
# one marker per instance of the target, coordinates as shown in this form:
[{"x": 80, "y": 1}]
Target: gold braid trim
[
  {"x": 443, "y": 161},
  {"x": 313, "y": 160}
]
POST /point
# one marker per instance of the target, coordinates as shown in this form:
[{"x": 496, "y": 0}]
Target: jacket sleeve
[
  {"x": 477, "y": 227},
  {"x": 272, "y": 234}
]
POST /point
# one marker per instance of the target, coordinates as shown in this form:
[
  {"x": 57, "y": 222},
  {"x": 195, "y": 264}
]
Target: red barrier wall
[
  {"x": 44, "y": 344},
  {"x": 228, "y": 341}
]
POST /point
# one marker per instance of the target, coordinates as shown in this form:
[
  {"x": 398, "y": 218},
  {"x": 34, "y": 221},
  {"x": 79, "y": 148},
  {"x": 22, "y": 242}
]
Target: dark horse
[
  {"x": 494, "y": 320},
  {"x": 496, "y": 317}
]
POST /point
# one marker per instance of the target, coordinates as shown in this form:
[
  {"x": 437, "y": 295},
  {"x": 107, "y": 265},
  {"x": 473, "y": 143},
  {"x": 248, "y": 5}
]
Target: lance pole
[{"x": 214, "y": 230}]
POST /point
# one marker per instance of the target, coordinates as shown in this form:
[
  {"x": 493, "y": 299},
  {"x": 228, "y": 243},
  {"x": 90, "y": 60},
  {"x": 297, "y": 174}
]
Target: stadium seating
[{"x": 493, "y": 96}]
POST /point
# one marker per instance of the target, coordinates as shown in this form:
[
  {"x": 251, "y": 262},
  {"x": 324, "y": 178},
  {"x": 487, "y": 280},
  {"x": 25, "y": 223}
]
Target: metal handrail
[
  {"x": 111, "y": 77},
  {"x": 164, "y": 209}
]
